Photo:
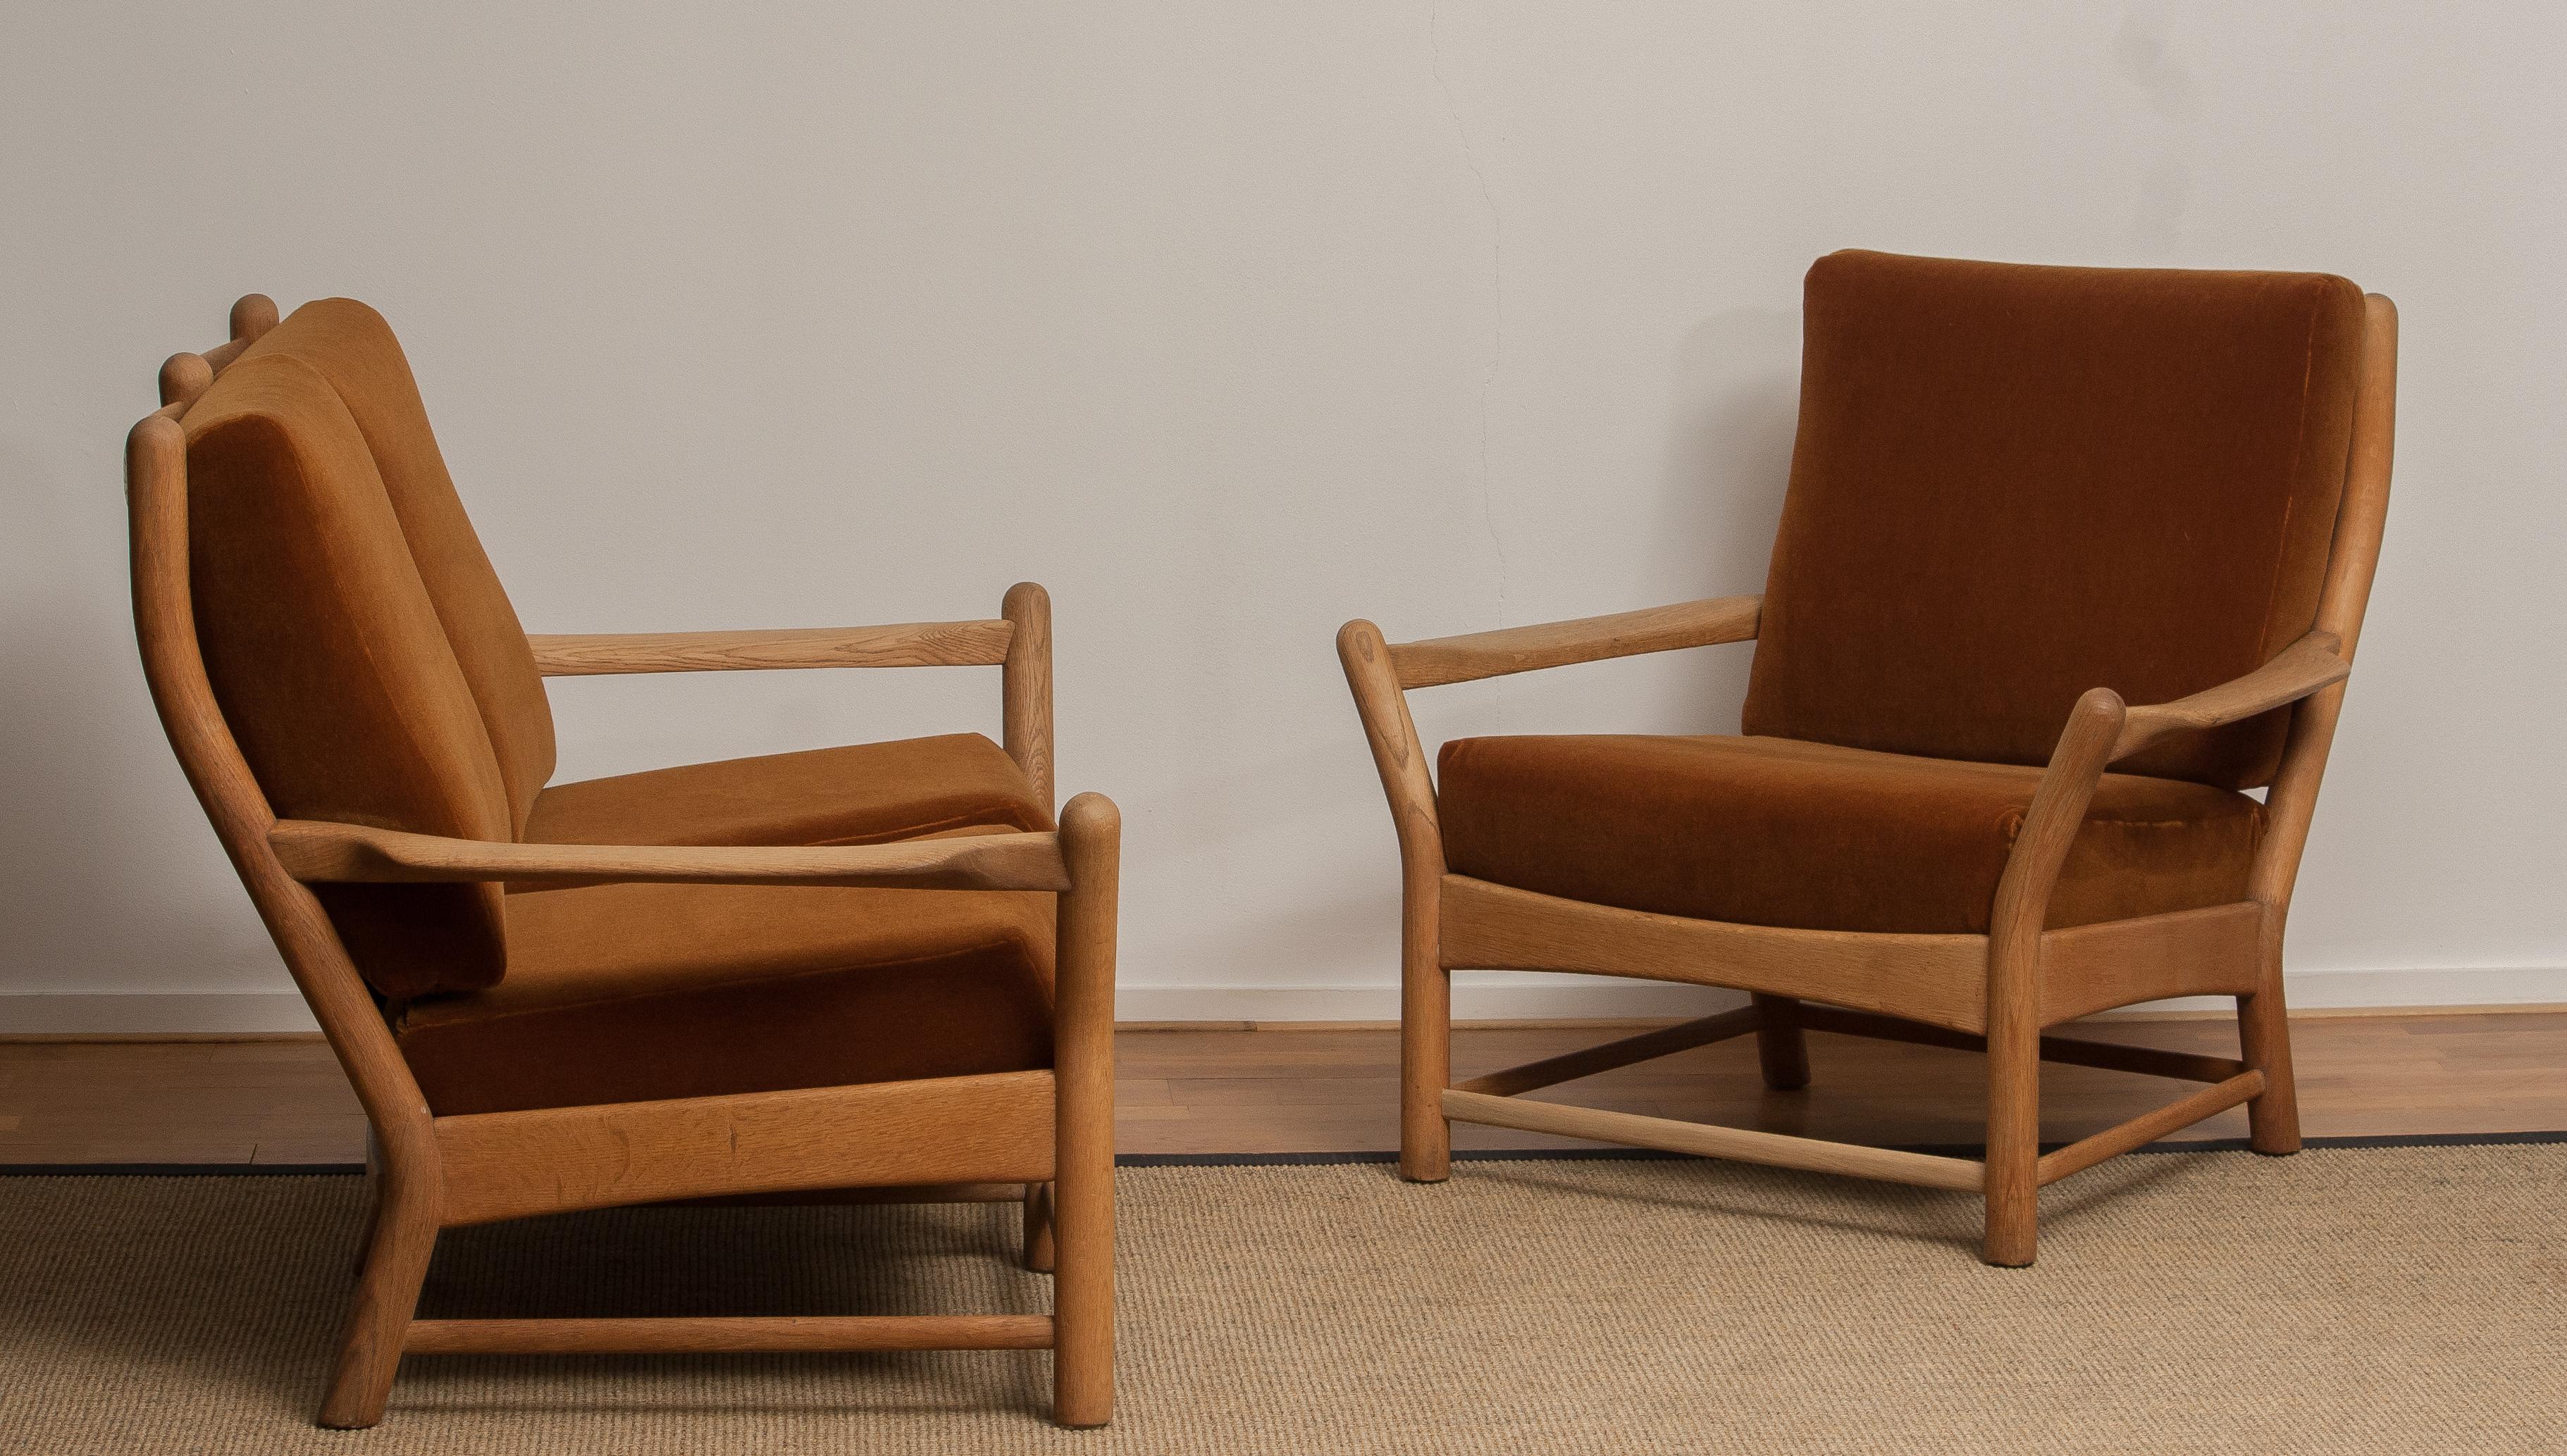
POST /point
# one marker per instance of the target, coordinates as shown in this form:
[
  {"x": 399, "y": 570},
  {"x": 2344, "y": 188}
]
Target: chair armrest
[
  {"x": 315, "y": 850},
  {"x": 2100, "y": 730},
  {"x": 2296, "y": 672},
  {"x": 907, "y": 645},
  {"x": 1439, "y": 660}
]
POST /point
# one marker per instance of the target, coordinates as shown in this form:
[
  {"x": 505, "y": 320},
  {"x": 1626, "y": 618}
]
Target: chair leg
[
  {"x": 2014, "y": 1145},
  {"x": 1425, "y": 1069},
  {"x": 397, "y": 1245},
  {"x": 2264, "y": 1038},
  {"x": 1425, "y": 1041},
  {"x": 374, "y": 1205},
  {"x": 1780, "y": 1047},
  {"x": 1082, "y": 1192},
  {"x": 1040, "y": 1255},
  {"x": 1082, "y": 1358}
]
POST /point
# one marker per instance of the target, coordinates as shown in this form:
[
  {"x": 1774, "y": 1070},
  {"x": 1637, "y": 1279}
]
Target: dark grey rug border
[
  {"x": 1322, "y": 1159},
  {"x": 1645, "y": 1155}
]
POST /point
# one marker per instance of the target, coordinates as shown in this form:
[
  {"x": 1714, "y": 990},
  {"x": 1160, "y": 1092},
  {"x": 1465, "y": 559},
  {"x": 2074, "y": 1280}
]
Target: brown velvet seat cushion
[
  {"x": 2013, "y": 484},
  {"x": 639, "y": 991},
  {"x": 1776, "y": 831},
  {"x": 864, "y": 794}
]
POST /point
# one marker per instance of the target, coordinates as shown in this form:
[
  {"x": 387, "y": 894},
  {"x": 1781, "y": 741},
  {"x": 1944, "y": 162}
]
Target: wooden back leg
[
  {"x": 1425, "y": 1041},
  {"x": 1781, "y": 1050},
  {"x": 2264, "y": 1043},
  {"x": 2014, "y": 1146},
  {"x": 1083, "y": 1197},
  {"x": 1039, "y": 1250},
  {"x": 403, "y": 1237}
]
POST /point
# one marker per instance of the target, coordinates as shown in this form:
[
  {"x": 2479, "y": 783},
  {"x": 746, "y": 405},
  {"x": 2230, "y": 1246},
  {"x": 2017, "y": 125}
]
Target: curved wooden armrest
[
  {"x": 2296, "y": 672},
  {"x": 2101, "y": 729},
  {"x": 906, "y": 645},
  {"x": 315, "y": 850},
  {"x": 1439, "y": 660}
]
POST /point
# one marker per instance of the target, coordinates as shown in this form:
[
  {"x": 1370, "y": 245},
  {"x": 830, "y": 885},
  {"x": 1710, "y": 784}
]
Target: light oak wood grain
[
  {"x": 2085, "y": 1152},
  {"x": 1729, "y": 1143},
  {"x": 2290, "y": 803},
  {"x": 951, "y": 1129},
  {"x": 2213, "y": 951},
  {"x": 682, "y": 1335},
  {"x": 906, "y": 645},
  {"x": 1425, "y": 987},
  {"x": 1938, "y": 979},
  {"x": 183, "y": 376},
  {"x": 1025, "y": 687},
  {"x": 251, "y": 316},
  {"x": 1440, "y": 660},
  {"x": 2013, "y": 1025},
  {"x": 317, "y": 851},
  {"x": 1081, "y": 1202},
  {"x": 2297, "y": 672}
]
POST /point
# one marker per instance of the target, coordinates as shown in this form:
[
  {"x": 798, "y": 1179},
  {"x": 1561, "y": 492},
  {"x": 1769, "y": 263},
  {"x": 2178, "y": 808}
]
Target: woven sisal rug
[{"x": 2389, "y": 1300}]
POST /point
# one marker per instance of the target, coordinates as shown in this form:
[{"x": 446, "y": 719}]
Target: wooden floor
[{"x": 1334, "y": 1089}]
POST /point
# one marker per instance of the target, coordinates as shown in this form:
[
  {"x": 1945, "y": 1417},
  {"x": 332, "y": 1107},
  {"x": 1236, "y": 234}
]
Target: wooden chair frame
[
  {"x": 1996, "y": 992},
  {"x": 1046, "y": 1137}
]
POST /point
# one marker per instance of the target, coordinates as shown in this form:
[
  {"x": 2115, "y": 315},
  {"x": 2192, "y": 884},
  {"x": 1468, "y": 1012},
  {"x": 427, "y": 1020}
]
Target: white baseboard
[{"x": 1477, "y": 996}]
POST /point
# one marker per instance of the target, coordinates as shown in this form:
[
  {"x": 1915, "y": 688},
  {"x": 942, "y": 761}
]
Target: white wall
[{"x": 1228, "y": 323}]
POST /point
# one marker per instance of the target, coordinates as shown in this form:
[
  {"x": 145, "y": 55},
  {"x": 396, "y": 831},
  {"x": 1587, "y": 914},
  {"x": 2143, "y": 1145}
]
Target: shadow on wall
[{"x": 1737, "y": 396}]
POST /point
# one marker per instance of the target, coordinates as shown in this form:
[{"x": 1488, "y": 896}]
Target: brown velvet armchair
[
  {"x": 2023, "y": 499},
  {"x": 873, "y": 973}
]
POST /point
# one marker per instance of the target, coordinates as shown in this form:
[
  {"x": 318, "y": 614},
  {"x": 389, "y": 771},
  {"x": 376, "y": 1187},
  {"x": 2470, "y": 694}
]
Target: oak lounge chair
[
  {"x": 872, "y": 973},
  {"x": 2022, "y": 500}
]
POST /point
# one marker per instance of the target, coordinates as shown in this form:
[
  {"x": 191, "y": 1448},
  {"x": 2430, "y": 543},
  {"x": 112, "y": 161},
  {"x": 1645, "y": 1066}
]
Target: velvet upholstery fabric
[
  {"x": 2013, "y": 484},
  {"x": 352, "y": 346},
  {"x": 637, "y": 992},
  {"x": 331, "y": 665},
  {"x": 863, "y": 794},
  {"x": 1779, "y": 832}
]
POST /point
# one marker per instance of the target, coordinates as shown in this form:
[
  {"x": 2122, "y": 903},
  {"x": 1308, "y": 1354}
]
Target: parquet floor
[{"x": 1288, "y": 1089}]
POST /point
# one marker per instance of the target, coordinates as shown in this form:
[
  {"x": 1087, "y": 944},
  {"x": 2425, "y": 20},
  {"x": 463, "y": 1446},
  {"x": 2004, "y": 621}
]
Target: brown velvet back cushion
[
  {"x": 2014, "y": 484},
  {"x": 352, "y": 346},
  {"x": 332, "y": 666}
]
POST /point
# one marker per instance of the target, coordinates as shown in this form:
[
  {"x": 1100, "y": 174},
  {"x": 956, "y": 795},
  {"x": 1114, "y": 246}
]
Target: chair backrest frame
[
  {"x": 164, "y": 629},
  {"x": 2353, "y": 561}
]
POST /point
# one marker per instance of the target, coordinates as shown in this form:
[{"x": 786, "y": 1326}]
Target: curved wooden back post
[
  {"x": 2262, "y": 1026},
  {"x": 403, "y": 1231},
  {"x": 1025, "y": 687},
  {"x": 1425, "y": 986},
  {"x": 183, "y": 376}
]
